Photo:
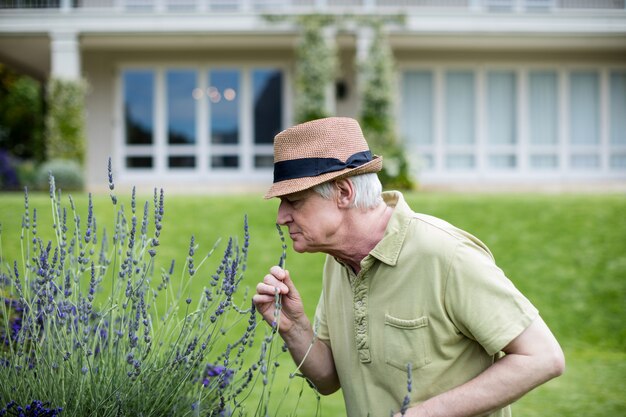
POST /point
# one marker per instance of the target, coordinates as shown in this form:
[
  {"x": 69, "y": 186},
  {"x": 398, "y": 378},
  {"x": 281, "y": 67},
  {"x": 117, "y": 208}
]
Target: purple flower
[
  {"x": 35, "y": 409},
  {"x": 217, "y": 373}
]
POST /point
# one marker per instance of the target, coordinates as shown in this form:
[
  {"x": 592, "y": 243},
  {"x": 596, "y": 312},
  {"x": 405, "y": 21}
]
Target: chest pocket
[{"x": 406, "y": 342}]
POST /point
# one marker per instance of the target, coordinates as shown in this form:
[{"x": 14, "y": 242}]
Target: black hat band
[{"x": 312, "y": 167}]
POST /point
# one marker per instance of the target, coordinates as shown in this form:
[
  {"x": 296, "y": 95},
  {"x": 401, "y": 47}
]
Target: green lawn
[{"x": 567, "y": 253}]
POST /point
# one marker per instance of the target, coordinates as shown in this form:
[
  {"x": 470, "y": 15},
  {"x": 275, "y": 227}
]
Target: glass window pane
[
  {"x": 543, "y": 107},
  {"x": 460, "y": 162},
  {"x": 589, "y": 161},
  {"x": 618, "y": 107},
  {"x": 263, "y": 161},
  {"x": 186, "y": 161},
  {"x": 544, "y": 161},
  {"x": 268, "y": 98},
  {"x": 138, "y": 162},
  {"x": 502, "y": 161},
  {"x": 138, "y": 106},
  {"x": 181, "y": 106},
  {"x": 417, "y": 107},
  {"x": 224, "y": 92},
  {"x": 584, "y": 104},
  {"x": 460, "y": 105},
  {"x": 501, "y": 107},
  {"x": 425, "y": 161},
  {"x": 224, "y": 161},
  {"x": 618, "y": 162}
]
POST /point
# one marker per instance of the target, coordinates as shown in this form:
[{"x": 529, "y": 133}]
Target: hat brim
[{"x": 295, "y": 185}]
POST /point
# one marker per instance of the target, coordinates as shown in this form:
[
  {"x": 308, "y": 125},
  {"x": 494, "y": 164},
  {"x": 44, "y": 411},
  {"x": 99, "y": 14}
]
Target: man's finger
[
  {"x": 278, "y": 272},
  {"x": 269, "y": 289},
  {"x": 262, "y": 299},
  {"x": 290, "y": 285}
]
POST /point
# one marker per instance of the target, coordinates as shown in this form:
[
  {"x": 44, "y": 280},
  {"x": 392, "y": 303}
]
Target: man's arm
[
  {"x": 532, "y": 358},
  {"x": 315, "y": 361}
]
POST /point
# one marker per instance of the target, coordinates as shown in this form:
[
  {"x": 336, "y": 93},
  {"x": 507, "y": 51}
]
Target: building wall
[
  {"x": 496, "y": 52},
  {"x": 103, "y": 69}
]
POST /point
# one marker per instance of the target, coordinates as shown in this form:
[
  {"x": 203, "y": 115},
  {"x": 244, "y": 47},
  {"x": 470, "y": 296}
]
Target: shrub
[
  {"x": 27, "y": 174},
  {"x": 21, "y": 115},
  {"x": 8, "y": 172},
  {"x": 377, "y": 114},
  {"x": 315, "y": 68},
  {"x": 68, "y": 175},
  {"x": 65, "y": 124},
  {"x": 147, "y": 347}
]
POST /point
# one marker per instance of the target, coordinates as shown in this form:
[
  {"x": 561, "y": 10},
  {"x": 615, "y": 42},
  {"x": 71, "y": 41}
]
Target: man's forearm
[
  {"x": 532, "y": 358},
  {"x": 314, "y": 358},
  {"x": 502, "y": 384}
]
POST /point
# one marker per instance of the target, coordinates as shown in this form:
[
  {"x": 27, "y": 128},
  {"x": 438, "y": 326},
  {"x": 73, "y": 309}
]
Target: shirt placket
[{"x": 360, "y": 291}]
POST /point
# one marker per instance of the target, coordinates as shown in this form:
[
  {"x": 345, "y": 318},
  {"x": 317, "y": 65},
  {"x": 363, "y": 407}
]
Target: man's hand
[
  {"x": 314, "y": 358},
  {"x": 292, "y": 312}
]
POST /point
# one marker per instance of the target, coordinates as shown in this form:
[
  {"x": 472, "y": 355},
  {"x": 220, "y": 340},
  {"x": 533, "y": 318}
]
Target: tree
[{"x": 21, "y": 116}]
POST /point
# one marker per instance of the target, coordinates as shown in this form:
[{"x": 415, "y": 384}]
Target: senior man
[{"x": 400, "y": 289}]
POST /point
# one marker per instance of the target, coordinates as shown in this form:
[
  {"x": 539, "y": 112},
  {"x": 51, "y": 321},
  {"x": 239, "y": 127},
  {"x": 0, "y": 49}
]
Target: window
[
  {"x": 617, "y": 125},
  {"x": 501, "y": 107},
  {"x": 618, "y": 162},
  {"x": 181, "y": 107},
  {"x": 139, "y": 118},
  {"x": 543, "y": 107},
  {"x": 544, "y": 162},
  {"x": 417, "y": 108},
  {"x": 181, "y": 117},
  {"x": 198, "y": 120},
  {"x": 505, "y": 161},
  {"x": 138, "y": 162},
  {"x": 268, "y": 91},
  {"x": 618, "y": 107},
  {"x": 460, "y": 162},
  {"x": 224, "y": 106},
  {"x": 535, "y": 122},
  {"x": 459, "y": 107},
  {"x": 585, "y": 161},
  {"x": 584, "y": 105},
  {"x": 543, "y": 119}
]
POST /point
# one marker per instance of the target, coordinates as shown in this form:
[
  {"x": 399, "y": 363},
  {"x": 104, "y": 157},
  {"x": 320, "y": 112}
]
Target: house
[{"x": 189, "y": 93}]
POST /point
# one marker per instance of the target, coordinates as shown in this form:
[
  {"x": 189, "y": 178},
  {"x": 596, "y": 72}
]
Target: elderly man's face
[{"x": 312, "y": 220}]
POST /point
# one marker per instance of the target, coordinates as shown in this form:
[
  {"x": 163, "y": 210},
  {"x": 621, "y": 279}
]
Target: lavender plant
[{"x": 89, "y": 327}]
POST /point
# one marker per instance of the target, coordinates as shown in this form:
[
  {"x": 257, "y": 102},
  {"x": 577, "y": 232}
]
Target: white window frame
[
  {"x": 522, "y": 149},
  {"x": 160, "y": 150}
]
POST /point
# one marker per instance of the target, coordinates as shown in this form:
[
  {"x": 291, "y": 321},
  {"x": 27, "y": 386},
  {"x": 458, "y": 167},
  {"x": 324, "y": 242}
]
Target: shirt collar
[{"x": 388, "y": 249}]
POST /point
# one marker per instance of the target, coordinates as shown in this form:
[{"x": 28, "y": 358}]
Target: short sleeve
[
  {"x": 320, "y": 326},
  {"x": 482, "y": 302}
]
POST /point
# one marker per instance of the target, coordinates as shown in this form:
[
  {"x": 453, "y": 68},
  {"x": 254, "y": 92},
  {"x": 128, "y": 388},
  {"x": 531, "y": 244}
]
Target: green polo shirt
[{"x": 428, "y": 294}]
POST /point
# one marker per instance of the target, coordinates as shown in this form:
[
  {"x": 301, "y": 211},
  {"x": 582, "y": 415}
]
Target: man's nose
[{"x": 283, "y": 216}]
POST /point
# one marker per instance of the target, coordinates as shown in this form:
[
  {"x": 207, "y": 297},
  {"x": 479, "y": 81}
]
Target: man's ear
[{"x": 345, "y": 193}]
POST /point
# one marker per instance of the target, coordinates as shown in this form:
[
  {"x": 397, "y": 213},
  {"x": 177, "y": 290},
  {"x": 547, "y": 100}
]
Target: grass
[{"x": 567, "y": 253}]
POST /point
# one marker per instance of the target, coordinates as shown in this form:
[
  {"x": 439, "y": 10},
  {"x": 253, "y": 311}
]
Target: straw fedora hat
[{"x": 321, "y": 150}]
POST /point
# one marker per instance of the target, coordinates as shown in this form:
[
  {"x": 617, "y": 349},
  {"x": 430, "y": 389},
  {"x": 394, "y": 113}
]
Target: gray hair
[{"x": 367, "y": 190}]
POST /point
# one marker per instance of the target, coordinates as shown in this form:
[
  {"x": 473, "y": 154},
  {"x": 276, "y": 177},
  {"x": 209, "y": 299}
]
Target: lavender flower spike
[{"x": 110, "y": 168}]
